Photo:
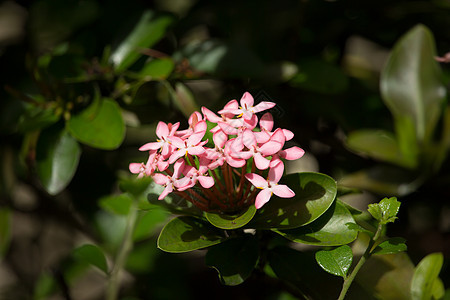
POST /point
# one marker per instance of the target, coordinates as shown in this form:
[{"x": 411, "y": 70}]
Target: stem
[
  {"x": 121, "y": 258},
  {"x": 348, "y": 281}
]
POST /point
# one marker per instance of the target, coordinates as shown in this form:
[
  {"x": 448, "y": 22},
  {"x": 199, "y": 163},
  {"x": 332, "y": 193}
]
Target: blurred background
[{"x": 320, "y": 61}]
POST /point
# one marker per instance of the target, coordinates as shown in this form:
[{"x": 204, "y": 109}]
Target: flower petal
[
  {"x": 292, "y": 153},
  {"x": 276, "y": 172},
  {"x": 135, "y": 168},
  {"x": 262, "y": 198},
  {"x": 248, "y": 139},
  {"x": 151, "y": 146},
  {"x": 278, "y": 136},
  {"x": 263, "y": 106},
  {"x": 206, "y": 181},
  {"x": 220, "y": 138},
  {"x": 160, "y": 179},
  {"x": 266, "y": 122},
  {"x": 269, "y": 148},
  {"x": 247, "y": 100},
  {"x": 196, "y": 150},
  {"x": 260, "y": 162},
  {"x": 257, "y": 180},
  {"x": 288, "y": 134},
  {"x": 210, "y": 116},
  {"x": 162, "y": 129},
  {"x": 167, "y": 191},
  {"x": 283, "y": 191}
]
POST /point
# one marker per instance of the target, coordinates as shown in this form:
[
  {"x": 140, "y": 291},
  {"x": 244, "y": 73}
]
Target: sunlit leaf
[
  {"x": 116, "y": 204},
  {"x": 331, "y": 229},
  {"x": 224, "y": 221},
  {"x": 386, "y": 210},
  {"x": 390, "y": 246},
  {"x": 150, "y": 28},
  {"x": 157, "y": 69},
  {"x": 184, "y": 234},
  {"x": 100, "y": 125},
  {"x": 336, "y": 261},
  {"x": 425, "y": 276},
  {"x": 92, "y": 255},
  {"x": 314, "y": 194},
  {"x": 234, "y": 259},
  {"x": 57, "y": 157}
]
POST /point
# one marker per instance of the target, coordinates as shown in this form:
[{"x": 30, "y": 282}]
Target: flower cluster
[{"x": 227, "y": 171}]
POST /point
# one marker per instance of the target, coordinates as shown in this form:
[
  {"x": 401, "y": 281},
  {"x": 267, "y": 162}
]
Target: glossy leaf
[
  {"x": 378, "y": 144},
  {"x": 336, "y": 261},
  {"x": 92, "y": 255},
  {"x": 157, "y": 69},
  {"x": 314, "y": 194},
  {"x": 150, "y": 28},
  {"x": 116, "y": 204},
  {"x": 100, "y": 125},
  {"x": 234, "y": 259},
  {"x": 411, "y": 84},
  {"x": 224, "y": 221},
  {"x": 390, "y": 246},
  {"x": 57, "y": 157},
  {"x": 331, "y": 229},
  {"x": 425, "y": 276},
  {"x": 184, "y": 234},
  {"x": 385, "y": 211}
]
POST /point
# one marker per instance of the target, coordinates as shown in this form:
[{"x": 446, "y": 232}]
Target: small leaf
[
  {"x": 391, "y": 246},
  {"x": 331, "y": 229},
  {"x": 92, "y": 255},
  {"x": 337, "y": 261},
  {"x": 150, "y": 28},
  {"x": 234, "y": 259},
  {"x": 314, "y": 194},
  {"x": 375, "y": 211},
  {"x": 116, "y": 204},
  {"x": 390, "y": 208},
  {"x": 224, "y": 221},
  {"x": 157, "y": 69},
  {"x": 148, "y": 222},
  {"x": 425, "y": 276},
  {"x": 100, "y": 125},
  {"x": 184, "y": 234},
  {"x": 135, "y": 186},
  {"x": 57, "y": 156}
]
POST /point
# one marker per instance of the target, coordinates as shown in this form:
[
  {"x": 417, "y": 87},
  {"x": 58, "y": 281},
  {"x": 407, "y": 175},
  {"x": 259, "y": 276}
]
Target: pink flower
[
  {"x": 163, "y": 131},
  {"x": 247, "y": 110},
  {"x": 270, "y": 186},
  {"x": 198, "y": 175},
  {"x": 192, "y": 145},
  {"x": 171, "y": 182}
]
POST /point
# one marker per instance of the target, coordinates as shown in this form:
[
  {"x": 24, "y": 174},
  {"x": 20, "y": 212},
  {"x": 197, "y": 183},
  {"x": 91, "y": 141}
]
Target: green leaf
[
  {"x": 148, "y": 222},
  {"x": 224, "y": 221},
  {"x": 157, "y": 69},
  {"x": 391, "y": 246},
  {"x": 336, "y": 261},
  {"x": 57, "y": 156},
  {"x": 135, "y": 186},
  {"x": 234, "y": 259},
  {"x": 425, "y": 276},
  {"x": 411, "y": 86},
  {"x": 5, "y": 231},
  {"x": 184, "y": 234},
  {"x": 385, "y": 211},
  {"x": 378, "y": 144},
  {"x": 314, "y": 194},
  {"x": 36, "y": 117},
  {"x": 100, "y": 125},
  {"x": 184, "y": 99},
  {"x": 92, "y": 255},
  {"x": 331, "y": 229},
  {"x": 150, "y": 28},
  {"x": 172, "y": 202},
  {"x": 116, "y": 204}
]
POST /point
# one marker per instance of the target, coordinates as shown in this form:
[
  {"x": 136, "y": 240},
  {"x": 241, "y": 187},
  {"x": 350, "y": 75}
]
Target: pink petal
[
  {"x": 262, "y": 198},
  {"x": 292, "y": 153},
  {"x": 276, "y": 172},
  {"x": 232, "y": 104},
  {"x": 167, "y": 191},
  {"x": 196, "y": 138},
  {"x": 162, "y": 165},
  {"x": 173, "y": 127},
  {"x": 247, "y": 115},
  {"x": 206, "y": 181},
  {"x": 283, "y": 191},
  {"x": 220, "y": 138},
  {"x": 162, "y": 129},
  {"x": 251, "y": 122},
  {"x": 242, "y": 155},
  {"x": 184, "y": 183},
  {"x": 151, "y": 146},
  {"x": 176, "y": 141},
  {"x": 257, "y": 180},
  {"x": 248, "y": 138},
  {"x": 178, "y": 168},
  {"x": 288, "y": 134},
  {"x": 260, "y": 162},
  {"x": 247, "y": 100},
  {"x": 269, "y": 148},
  {"x": 236, "y": 123},
  {"x": 160, "y": 179},
  {"x": 261, "y": 137},
  {"x": 263, "y": 106},
  {"x": 210, "y": 116},
  {"x": 201, "y": 126},
  {"x": 194, "y": 118},
  {"x": 266, "y": 122},
  {"x": 278, "y": 136},
  {"x": 226, "y": 128},
  {"x": 235, "y": 163},
  {"x": 196, "y": 150},
  {"x": 176, "y": 155},
  {"x": 135, "y": 168}
]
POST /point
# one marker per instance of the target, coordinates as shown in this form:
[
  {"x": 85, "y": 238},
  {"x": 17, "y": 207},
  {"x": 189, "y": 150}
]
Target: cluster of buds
[{"x": 228, "y": 175}]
